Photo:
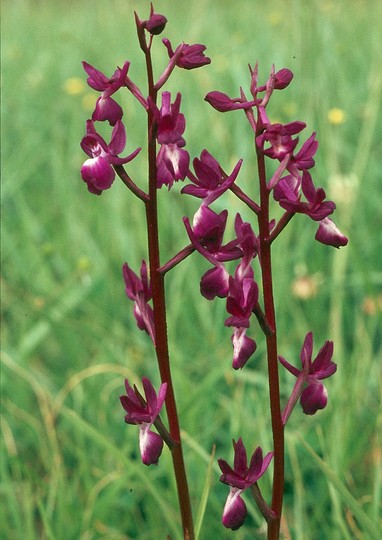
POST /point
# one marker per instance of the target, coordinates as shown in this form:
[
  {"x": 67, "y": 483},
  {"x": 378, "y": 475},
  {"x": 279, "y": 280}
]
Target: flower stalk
[
  {"x": 271, "y": 344},
  {"x": 160, "y": 317}
]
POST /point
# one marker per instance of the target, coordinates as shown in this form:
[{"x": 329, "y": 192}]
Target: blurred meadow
[{"x": 69, "y": 464}]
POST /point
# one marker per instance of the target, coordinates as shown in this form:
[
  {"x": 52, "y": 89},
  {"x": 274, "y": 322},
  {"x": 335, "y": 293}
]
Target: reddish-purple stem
[
  {"x": 159, "y": 305},
  {"x": 179, "y": 257},
  {"x": 271, "y": 341}
]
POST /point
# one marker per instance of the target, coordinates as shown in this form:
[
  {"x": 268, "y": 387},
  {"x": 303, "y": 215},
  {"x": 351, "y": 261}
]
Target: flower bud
[
  {"x": 282, "y": 79},
  {"x": 156, "y": 24}
]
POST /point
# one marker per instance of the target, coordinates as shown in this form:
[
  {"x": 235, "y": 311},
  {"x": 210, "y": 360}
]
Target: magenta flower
[
  {"x": 303, "y": 160},
  {"x": 150, "y": 443},
  {"x": 206, "y": 235},
  {"x": 280, "y": 139},
  {"x": 172, "y": 160},
  {"x": 239, "y": 478},
  {"x": 106, "y": 108},
  {"x": 287, "y": 193},
  {"x": 139, "y": 290},
  {"x": 314, "y": 396},
  {"x": 191, "y": 57},
  {"x": 242, "y": 295},
  {"x": 170, "y": 122},
  {"x": 209, "y": 227},
  {"x": 249, "y": 245},
  {"x": 208, "y": 232},
  {"x": 97, "y": 171},
  {"x": 242, "y": 298},
  {"x": 210, "y": 182},
  {"x": 328, "y": 233}
]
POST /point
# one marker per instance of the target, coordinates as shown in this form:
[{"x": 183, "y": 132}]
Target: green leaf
[
  {"x": 204, "y": 497},
  {"x": 363, "y": 519}
]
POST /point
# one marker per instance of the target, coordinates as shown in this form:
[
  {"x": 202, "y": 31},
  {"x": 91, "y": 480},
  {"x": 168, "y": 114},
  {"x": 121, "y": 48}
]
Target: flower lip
[
  {"x": 313, "y": 398},
  {"x": 235, "y": 510},
  {"x": 243, "y": 347},
  {"x": 329, "y": 234},
  {"x": 150, "y": 445}
]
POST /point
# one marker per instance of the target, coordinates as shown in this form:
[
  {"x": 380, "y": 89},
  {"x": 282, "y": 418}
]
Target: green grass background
[{"x": 70, "y": 468}]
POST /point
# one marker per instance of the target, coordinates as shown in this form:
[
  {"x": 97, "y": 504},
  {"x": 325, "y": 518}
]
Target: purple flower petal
[
  {"x": 296, "y": 372},
  {"x": 323, "y": 367},
  {"x": 304, "y": 158},
  {"x": 97, "y": 80},
  {"x": 242, "y": 298},
  {"x": 118, "y": 139},
  {"x": 287, "y": 189},
  {"x": 258, "y": 465},
  {"x": 306, "y": 351}
]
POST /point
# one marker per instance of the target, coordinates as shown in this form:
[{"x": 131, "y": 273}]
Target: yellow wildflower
[
  {"x": 336, "y": 116},
  {"x": 74, "y": 86}
]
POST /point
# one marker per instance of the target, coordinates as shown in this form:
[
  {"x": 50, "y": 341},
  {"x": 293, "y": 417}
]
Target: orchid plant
[{"x": 248, "y": 289}]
